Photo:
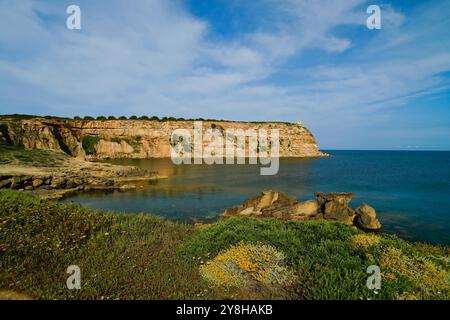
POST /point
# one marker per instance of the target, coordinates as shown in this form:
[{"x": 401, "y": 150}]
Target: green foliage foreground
[{"x": 125, "y": 256}]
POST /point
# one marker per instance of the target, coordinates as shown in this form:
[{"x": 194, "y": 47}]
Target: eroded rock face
[
  {"x": 366, "y": 218},
  {"x": 40, "y": 133},
  {"x": 268, "y": 204},
  {"x": 328, "y": 206},
  {"x": 138, "y": 138},
  {"x": 308, "y": 208},
  {"x": 335, "y": 206}
]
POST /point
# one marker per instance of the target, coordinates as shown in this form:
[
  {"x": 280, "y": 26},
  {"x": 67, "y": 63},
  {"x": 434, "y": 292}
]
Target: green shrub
[
  {"x": 144, "y": 118},
  {"x": 101, "y": 118},
  {"x": 247, "y": 263},
  {"x": 133, "y": 118},
  {"x": 154, "y": 118},
  {"x": 111, "y": 118},
  {"x": 88, "y": 118},
  {"x": 89, "y": 143},
  {"x": 77, "y": 118},
  {"x": 122, "y": 118}
]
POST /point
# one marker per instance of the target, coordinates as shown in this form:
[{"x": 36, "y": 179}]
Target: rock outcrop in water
[
  {"x": 328, "y": 206},
  {"x": 103, "y": 139}
]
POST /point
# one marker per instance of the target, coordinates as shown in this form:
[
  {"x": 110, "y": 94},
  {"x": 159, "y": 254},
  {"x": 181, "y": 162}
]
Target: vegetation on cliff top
[
  {"x": 133, "y": 117},
  {"x": 146, "y": 257}
]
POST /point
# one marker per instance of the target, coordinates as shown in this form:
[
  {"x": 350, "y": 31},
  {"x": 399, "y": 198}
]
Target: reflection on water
[{"x": 410, "y": 190}]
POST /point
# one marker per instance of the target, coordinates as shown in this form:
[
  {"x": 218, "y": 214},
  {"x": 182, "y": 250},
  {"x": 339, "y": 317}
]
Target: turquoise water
[{"x": 410, "y": 190}]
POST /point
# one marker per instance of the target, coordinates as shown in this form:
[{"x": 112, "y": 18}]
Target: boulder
[
  {"x": 366, "y": 218},
  {"x": 309, "y": 208},
  {"x": 36, "y": 183},
  {"x": 270, "y": 199},
  {"x": 335, "y": 206},
  {"x": 329, "y": 206},
  {"x": 268, "y": 204},
  {"x": 233, "y": 211},
  {"x": 343, "y": 198}
]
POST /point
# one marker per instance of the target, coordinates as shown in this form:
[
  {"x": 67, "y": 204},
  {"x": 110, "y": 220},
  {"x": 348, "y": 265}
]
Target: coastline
[
  {"x": 52, "y": 174},
  {"x": 137, "y": 256}
]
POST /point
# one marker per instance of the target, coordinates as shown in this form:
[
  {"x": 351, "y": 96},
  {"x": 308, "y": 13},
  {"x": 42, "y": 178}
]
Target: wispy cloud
[{"x": 309, "y": 60}]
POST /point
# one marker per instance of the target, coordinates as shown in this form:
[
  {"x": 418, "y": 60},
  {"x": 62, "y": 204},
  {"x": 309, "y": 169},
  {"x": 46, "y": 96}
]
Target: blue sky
[{"x": 292, "y": 60}]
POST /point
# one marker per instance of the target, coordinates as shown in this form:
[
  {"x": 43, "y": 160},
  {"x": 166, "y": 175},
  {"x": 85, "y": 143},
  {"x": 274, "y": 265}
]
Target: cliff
[{"x": 102, "y": 139}]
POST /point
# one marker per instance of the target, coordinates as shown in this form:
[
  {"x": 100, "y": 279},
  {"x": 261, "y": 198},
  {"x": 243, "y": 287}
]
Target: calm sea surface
[{"x": 409, "y": 190}]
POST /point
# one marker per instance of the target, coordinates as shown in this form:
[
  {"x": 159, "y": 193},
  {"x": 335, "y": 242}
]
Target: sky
[{"x": 268, "y": 60}]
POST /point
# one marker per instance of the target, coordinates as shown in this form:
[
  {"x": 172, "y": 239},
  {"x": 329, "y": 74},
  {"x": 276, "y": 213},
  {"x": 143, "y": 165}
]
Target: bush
[
  {"x": 245, "y": 263},
  {"x": 111, "y": 118},
  {"x": 89, "y": 143},
  {"x": 88, "y": 118},
  {"x": 154, "y": 118},
  {"x": 144, "y": 118},
  {"x": 76, "y": 118},
  {"x": 101, "y": 118},
  {"x": 122, "y": 118},
  {"x": 133, "y": 118}
]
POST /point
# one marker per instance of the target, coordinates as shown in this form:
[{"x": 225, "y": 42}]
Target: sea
[{"x": 410, "y": 190}]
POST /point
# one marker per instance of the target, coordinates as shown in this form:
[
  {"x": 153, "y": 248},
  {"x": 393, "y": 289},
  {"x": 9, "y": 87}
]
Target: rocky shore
[
  {"x": 54, "y": 175},
  {"x": 328, "y": 206}
]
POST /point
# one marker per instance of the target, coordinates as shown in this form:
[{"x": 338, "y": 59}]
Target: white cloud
[{"x": 154, "y": 57}]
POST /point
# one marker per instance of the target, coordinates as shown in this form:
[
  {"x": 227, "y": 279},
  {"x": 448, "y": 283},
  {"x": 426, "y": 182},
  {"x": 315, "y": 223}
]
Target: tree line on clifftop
[{"x": 133, "y": 117}]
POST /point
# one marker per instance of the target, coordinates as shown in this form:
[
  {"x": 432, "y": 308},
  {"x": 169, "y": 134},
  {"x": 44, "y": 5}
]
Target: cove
[{"x": 408, "y": 189}]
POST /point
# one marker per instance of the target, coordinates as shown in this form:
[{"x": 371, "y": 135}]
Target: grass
[
  {"x": 34, "y": 157},
  {"x": 129, "y": 256},
  {"x": 120, "y": 256}
]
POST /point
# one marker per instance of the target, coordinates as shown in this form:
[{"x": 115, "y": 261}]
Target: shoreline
[
  {"x": 52, "y": 174},
  {"x": 149, "y": 257}
]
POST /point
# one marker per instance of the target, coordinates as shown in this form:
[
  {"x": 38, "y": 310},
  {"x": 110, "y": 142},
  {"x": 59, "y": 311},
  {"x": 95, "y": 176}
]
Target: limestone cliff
[{"x": 102, "y": 139}]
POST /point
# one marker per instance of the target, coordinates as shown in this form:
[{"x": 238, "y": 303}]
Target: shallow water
[{"x": 410, "y": 190}]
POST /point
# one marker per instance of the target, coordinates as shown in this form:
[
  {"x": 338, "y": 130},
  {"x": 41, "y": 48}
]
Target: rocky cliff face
[
  {"x": 98, "y": 139},
  {"x": 54, "y": 134}
]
